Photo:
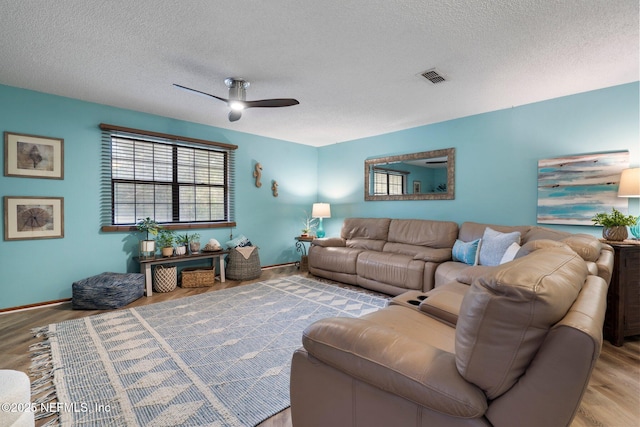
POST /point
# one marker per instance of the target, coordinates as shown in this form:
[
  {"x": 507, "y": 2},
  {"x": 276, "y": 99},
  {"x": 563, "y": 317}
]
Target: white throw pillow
[{"x": 510, "y": 253}]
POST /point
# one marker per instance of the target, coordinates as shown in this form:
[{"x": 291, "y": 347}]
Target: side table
[
  {"x": 622, "y": 318},
  {"x": 303, "y": 264},
  {"x": 147, "y": 263}
]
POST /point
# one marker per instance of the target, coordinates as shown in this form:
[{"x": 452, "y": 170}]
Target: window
[
  {"x": 177, "y": 181},
  {"x": 388, "y": 182}
]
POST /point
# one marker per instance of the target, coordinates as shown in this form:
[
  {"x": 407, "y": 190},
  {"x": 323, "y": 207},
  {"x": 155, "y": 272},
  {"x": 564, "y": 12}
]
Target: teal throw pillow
[
  {"x": 495, "y": 244},
  {"x": 466, "y": 252}
]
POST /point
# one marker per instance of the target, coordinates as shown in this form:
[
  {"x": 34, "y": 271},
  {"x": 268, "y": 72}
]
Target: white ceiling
[{"x": 352, "y": 64}]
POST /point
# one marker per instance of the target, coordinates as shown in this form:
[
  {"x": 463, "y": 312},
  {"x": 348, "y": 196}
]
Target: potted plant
[
  {"x": 182, "y": 240},
  {"x": 309, "y": 224},
  {"x": 150, "y": 227},
  {"x": 165, "y": 241},
  {"x": 614, "y": 224},
  {"x": 194, "y": 243}
]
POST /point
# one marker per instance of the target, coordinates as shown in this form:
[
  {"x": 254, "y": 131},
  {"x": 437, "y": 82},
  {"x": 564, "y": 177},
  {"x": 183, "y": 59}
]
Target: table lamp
[
  {"x": 630, "y": 187},
  {"x": 321, "y": 210}
]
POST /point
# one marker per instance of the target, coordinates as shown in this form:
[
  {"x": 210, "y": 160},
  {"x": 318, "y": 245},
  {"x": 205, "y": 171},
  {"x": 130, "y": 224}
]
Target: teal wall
[
  {"x": 496, "y": 177},
  {"x": 496, "y": 158},
  {"x": 33, "y": 271}
]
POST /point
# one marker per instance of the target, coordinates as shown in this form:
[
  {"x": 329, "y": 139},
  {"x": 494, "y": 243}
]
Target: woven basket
[
  {"x": 165, "y": 278},
  {"x": 197, "y": 277},
  {"x": 239, "y": 268}
]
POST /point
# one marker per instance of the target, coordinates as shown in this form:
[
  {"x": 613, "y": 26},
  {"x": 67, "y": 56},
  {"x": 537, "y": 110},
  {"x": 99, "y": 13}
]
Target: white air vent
[{"x": 433, "y": 76}]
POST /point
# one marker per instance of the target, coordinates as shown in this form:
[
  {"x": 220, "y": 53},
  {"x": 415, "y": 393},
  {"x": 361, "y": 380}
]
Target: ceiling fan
[{"x": 237, "y": 98}]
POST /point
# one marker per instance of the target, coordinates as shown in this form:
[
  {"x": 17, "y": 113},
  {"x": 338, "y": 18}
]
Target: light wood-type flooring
[{"x": 612, "y": 399}]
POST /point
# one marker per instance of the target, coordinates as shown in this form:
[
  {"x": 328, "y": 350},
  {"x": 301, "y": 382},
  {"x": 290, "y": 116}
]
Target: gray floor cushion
[{"x": 107, "y": 291}]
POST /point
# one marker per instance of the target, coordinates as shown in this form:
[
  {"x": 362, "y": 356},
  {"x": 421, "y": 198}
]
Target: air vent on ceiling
[{"x": 433, "y": 76}]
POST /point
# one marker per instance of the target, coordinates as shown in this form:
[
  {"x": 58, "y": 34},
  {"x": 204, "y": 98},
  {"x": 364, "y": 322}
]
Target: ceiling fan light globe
[{"x": 236, "y": 105}]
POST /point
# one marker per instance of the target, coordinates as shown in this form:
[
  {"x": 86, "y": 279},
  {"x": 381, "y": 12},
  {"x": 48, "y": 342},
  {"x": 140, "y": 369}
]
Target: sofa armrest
[
  {"x": 328, "y": 242},
  {"x": 443, "y": 303},
  {"x": 379, "y": 356}
]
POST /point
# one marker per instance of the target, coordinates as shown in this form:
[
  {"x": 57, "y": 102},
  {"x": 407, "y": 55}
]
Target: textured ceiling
[{"x": 353, "y": 64}]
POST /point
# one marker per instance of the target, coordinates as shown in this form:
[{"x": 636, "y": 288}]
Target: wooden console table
[
  {"x": 622, "y": 318},
  {"x": 147, "y": 263}
]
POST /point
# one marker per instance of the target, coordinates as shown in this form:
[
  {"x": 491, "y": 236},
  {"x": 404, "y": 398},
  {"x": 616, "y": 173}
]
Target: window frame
[{"x": 108, "y": 181}]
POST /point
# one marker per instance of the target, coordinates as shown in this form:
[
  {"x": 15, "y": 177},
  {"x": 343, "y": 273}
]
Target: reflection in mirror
[{"x": 428, "y": 175}]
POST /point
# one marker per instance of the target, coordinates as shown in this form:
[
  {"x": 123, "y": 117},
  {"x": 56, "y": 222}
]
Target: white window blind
[{"x": 177, "y": 181}]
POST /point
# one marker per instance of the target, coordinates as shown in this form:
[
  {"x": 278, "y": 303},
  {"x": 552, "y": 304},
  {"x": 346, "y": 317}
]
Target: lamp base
[{"x": 320, "y": 232}]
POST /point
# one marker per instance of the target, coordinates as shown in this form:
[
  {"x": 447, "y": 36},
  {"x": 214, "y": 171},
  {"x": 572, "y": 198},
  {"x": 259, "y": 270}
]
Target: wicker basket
[
  {"x": 197, "y": 277},
  {"x": 165, "y": 278},
  {"x": 239, "y": 268}
]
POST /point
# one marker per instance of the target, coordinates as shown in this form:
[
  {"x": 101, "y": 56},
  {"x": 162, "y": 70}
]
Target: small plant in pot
[
  {"x": 309, "y": 224},
  {"x": 614, "y": 224},
  {"x": 194, "y": 243},
  {"x": 183, "y": 241},
  {"x": 165, "y": 242},
  {"x": 149, "y": 227}
]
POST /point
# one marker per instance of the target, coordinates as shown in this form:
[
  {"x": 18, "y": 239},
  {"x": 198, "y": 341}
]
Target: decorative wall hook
[
  {"x": 274, "y": 188},
  {"x": 257, "y": 173}
]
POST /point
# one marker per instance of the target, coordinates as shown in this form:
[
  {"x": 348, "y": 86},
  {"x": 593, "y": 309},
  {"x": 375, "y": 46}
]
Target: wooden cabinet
[{"x": 622, "y": 318}]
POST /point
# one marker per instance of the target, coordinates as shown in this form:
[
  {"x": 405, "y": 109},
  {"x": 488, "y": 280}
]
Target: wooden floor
[{"x": 612, "y": 399}]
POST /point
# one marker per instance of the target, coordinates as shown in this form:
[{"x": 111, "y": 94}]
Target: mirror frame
[{"x": 451, "y": 168}]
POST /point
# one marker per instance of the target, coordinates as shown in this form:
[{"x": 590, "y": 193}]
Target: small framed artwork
[
  {"x": 31, "y": 156},
  {"x": 27, "y": 218},
  {"x": 417, "y": 187}
]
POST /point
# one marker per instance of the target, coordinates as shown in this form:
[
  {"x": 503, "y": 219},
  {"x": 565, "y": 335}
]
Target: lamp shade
[
  {"x": 629, "y": 183},
  {"x": 321, "y": 210}
]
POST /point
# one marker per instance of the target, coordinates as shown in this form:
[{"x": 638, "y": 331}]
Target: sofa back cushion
[
  {"x": 423, "y": 232},
  {"x": 506, "y": 314},
  {"x": 365, "y": 228},
  {"x": 473, "y": 230}
]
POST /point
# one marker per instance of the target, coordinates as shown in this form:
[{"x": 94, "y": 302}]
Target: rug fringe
[{"x": 42, "y": 370}]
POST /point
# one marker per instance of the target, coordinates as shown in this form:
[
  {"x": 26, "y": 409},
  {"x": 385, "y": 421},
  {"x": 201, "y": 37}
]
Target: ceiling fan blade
[
  {"x": 234, "y": 115},
  {"x": 279, "y": 102},
  {"x": 188, "y": 89}
]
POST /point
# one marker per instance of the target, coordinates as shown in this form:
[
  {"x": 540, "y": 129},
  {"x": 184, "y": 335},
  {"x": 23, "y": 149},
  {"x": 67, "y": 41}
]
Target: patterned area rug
[{"x": 217, "y": 359}]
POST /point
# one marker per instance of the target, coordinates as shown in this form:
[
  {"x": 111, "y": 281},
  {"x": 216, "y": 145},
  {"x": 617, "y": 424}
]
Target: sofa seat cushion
[
  {"x": 506, "y": 314},
  {"x": 384, "y": 350},
  {"x": 449, "y": 271},
  {"x": 336, "y": 259},
  {"x": 393, "y": 269}
]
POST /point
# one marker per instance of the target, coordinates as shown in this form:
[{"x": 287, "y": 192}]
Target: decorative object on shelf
[
  {"x": 274, "y": 188},
  {"x": 147, "y": 246},
  {"x": 31, "y": 156},
  {"x": 320, "y": 211},
  {"x": 212, "y": 246},
  {"x": 630, "y": 187},
  {"x": 194, "y": 243},
  {"x": 182, "y": 241},
  {"x": 572, "y": 189},
  {"x": 614, "y": 224},
  {"x": 257, "y": 173},
  {"x": 165, "y": 242},
  {"x": 309, "y": 224},
  {"x": 27, "y": 218}
]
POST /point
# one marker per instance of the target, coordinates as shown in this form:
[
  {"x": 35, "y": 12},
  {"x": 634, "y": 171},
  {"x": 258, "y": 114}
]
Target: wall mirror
[{"x": 429, "y": 175}]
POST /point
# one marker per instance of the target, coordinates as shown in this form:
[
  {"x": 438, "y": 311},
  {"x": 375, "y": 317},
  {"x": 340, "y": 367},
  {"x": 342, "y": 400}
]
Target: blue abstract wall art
[{"x": 571, "y": 190}]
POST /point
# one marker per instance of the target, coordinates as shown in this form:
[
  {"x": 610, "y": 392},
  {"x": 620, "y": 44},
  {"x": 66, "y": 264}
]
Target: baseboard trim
[
  {"x": 33, "y": 306},
  {"x": 66, "y": 300}
]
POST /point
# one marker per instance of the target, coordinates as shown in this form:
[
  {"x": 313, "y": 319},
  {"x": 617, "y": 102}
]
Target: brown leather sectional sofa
[{"x": 506, "y": 345}]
